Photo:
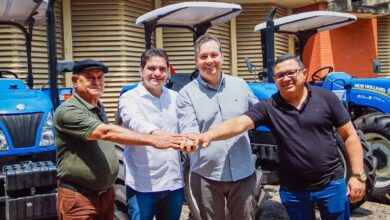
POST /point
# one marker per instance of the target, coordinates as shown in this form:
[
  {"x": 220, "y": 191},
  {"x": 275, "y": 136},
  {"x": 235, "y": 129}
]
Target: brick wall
[{"x": 350, "y": 49}]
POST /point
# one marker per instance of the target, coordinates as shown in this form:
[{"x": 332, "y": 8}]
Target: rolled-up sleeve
[{"x": 186, "y": 114}]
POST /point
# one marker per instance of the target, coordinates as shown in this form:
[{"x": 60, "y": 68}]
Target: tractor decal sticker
[
  {"x": 377, "y": 92},
  {"x": 370, "y": 87},
  {"x": 371, "y": 98},
  {"x": 340, "y": 94}
]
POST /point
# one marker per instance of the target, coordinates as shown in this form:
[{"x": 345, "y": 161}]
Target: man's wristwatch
[{"x": 362, "y": 176}]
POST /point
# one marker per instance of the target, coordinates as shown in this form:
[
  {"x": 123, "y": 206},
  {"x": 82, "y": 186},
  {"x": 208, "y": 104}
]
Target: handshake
[{"x": 187, "y": 143}]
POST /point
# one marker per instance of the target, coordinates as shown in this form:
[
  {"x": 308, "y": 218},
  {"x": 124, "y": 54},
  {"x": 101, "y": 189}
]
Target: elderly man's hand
[{"x": 164, "y": 140}]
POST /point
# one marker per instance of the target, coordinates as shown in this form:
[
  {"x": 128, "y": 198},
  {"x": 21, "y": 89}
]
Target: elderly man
[
  {"x": 86, "y": 159},
  {"x": 302, "y": 118},
  {"x": 225, "y": 171}
]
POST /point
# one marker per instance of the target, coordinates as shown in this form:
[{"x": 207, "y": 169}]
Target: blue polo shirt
[{"x": 306, "y": 144}]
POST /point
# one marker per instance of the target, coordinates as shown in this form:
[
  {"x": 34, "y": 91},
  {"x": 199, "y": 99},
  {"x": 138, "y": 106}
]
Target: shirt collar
[
  {"x": 144, "y": 92},
  {"x": 207, "y": 85},
  {"x": 279, "y": 102},
  {"x": 88, "y": 105}
]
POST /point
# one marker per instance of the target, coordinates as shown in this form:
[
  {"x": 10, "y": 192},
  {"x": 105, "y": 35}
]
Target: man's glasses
[{"x": 289, "y": 74}]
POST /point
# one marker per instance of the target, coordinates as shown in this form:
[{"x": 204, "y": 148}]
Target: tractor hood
[
  {"x": 11, "y": 84},
  {"x": 23, "y": 101},
  {"x": 263, "y": 90},
  {"x": 21, "y": 11}
]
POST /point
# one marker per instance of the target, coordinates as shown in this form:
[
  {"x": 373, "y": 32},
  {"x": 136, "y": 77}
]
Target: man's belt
[{"x": 80, "y": 189}]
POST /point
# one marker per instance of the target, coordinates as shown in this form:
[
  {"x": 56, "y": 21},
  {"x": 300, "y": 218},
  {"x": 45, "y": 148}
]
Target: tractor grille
[{"x": 22, "y": 128}]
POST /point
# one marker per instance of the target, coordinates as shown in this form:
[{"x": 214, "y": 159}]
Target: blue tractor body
[
  {"x": 370, "y": 93},
  {"x": 23, "y": 114},
  {"x": 27, "y": 147},
  {"x": 262, "y": 90}
]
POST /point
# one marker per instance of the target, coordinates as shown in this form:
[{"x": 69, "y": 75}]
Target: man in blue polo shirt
[{"x": 301, "y": 118}]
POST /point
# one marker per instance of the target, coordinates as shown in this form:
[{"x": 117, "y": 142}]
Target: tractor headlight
[
  {"x": 3, "y": 142},
  {"x": 47, "y": 135}
]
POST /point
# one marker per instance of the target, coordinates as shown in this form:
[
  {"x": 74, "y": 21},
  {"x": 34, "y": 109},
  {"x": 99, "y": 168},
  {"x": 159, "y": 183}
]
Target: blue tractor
[
  {"x": 27, "y": 150},
  {"x": 367, "y": 100}
]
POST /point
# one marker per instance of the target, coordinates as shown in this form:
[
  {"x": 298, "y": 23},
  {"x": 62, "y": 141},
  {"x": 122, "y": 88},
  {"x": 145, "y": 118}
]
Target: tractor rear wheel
[
  {"x": 369, "y": 166},
  {"x": 376, "y": 129},
  {"x": 119, "y": 186}
]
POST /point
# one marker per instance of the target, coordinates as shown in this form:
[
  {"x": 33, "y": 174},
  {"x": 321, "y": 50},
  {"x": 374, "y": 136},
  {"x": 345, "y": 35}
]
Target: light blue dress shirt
[{"x": 201, "y": 107}]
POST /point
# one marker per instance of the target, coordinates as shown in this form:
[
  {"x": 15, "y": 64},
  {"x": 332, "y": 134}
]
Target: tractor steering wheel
[
  {"x": 2, "y": 71},
  {"x": 316, "y": 76}
]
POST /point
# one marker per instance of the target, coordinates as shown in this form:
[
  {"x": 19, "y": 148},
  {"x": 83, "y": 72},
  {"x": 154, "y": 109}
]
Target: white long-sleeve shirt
[{"x": 149, "y": 169}]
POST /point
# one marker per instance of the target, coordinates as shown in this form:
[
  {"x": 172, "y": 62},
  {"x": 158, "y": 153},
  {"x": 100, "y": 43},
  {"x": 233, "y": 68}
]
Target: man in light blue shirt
[{"x": 225, "y": 170}]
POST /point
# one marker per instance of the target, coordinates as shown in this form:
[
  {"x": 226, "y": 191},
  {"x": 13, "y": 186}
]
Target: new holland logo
[
  {"x": 20, "y": 107},
  {"x": 388, "y": 91}
]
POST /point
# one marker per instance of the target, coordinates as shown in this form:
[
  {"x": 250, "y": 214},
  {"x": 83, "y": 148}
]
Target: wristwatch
[{"x": 362, "y": 176}]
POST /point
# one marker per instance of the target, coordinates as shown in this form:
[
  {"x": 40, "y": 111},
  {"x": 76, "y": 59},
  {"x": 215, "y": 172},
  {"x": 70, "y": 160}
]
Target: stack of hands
[{"x": 187, "y": 143}]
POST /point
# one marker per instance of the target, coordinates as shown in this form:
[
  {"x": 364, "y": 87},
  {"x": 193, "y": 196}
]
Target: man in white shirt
[{"x": 154, "y": 180}]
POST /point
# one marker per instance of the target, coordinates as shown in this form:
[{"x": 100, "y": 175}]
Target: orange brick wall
[{"x": 350, "y": 49}]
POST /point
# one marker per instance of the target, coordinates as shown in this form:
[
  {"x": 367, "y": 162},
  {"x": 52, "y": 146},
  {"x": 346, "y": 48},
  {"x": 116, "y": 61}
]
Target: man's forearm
[
  {"x": 126, "y": 136},
  {"x": 355, "y": 153},
  {"x": 230, "y": 128}
]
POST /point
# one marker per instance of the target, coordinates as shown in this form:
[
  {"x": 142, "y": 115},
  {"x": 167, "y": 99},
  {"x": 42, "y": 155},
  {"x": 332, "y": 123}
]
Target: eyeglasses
[{"x": 289, "y": 74}]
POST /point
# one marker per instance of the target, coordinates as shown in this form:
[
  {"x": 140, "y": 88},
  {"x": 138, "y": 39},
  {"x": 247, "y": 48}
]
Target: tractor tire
[
  {"x": 369, "y": 166},
  {"x": 376, "y": 129},
  {"x": 191, "y": 202},
  {"x": 120, "y": 188}
]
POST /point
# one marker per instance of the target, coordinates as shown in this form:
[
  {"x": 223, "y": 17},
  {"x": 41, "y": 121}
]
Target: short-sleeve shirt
[
  {"x": 306, "y": 144},
  {"x": 89, "y": 163},
  {"x": 201, "y": 107}
]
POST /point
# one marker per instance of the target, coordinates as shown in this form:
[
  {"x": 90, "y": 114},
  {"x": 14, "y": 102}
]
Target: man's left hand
[{"x": 356, "y": 190}]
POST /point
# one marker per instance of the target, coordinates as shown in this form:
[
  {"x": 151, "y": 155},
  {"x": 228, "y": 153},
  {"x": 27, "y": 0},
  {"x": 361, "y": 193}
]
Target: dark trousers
[{"x": 74, "y": 205}]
